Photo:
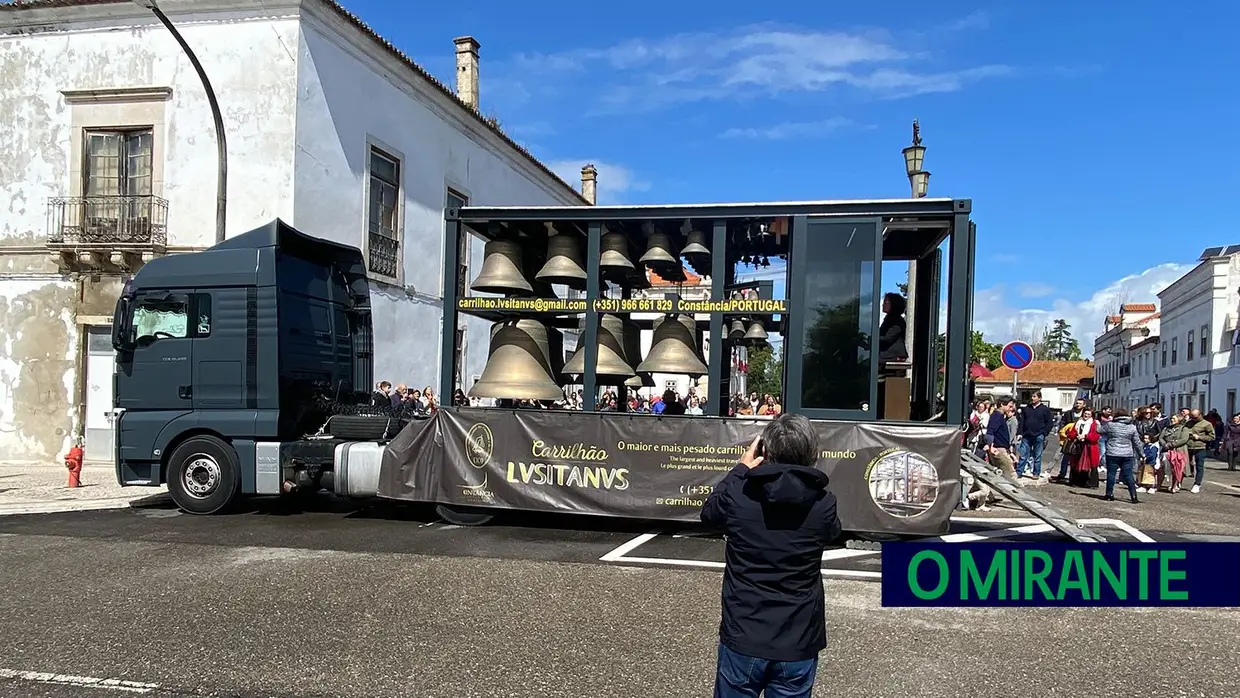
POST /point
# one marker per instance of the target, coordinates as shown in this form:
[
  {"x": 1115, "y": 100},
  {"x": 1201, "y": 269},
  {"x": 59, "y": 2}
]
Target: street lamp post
[
  {"x": 919, "y": 182},
  {"x": 221, "y": 185}
]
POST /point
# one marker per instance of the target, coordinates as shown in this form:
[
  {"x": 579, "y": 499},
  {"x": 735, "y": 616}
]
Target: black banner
[
  {"x": 563, "y": 306},
  {"x": 889, "y": 478}
]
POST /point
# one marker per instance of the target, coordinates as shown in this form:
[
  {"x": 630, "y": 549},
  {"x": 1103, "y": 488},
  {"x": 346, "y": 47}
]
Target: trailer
[{"x": 246, "y": 369}]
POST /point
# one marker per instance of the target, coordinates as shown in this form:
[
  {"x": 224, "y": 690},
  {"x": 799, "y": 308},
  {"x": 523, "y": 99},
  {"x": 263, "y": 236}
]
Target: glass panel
[
  {"x": 839, "y": 312},
  {"x": 204, "y": 315},
  {"x": 103, "y": 152},
  {"x": 138, "y": 164},
  {"x": 161, "y": 318},
  {"x": 383, "y": 167}
]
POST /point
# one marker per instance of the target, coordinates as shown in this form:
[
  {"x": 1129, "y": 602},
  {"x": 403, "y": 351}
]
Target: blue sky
[{"x": 1099, "y": 146}]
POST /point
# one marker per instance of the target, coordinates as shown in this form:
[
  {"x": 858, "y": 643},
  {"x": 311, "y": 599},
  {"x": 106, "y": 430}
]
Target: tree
[
  {"x": 982, "y": 352},
  {"x": 1060, "y": 345},
  {"x": 1035, "y": 336},
  {"x": 766, "y": 371}
]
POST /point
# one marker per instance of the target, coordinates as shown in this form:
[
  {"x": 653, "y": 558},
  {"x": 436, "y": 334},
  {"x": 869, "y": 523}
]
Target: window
[
  {"x": 1205, "y": 340},
  {"x": 383, "y": 215},
  {"x": 166, "y": 316},
  {"x": 1190, "y": 346},
  {"x": 456, "y": 200},
  {"x": 1164, "y": 356},
  {"x": 839, "y": 310},
  {"x": 116, "y": 185},
  {"x": 1175, "y": 345}
]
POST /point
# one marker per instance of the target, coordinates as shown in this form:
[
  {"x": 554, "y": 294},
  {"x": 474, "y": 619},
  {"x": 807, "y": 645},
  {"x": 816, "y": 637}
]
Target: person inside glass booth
[{"x": 893, "y": 330}]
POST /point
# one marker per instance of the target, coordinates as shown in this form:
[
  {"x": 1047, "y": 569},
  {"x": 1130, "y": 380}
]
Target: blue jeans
[
  {"x": 1117, "y": 465},
  {"x": 741, "y": 676},
  {"x": 1199, "y": 464},
  {"x": 1031, "y": 450}
]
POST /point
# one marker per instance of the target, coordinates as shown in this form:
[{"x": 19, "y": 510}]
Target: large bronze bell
[
  {"x": 564, "y": 261},
  {"x": 521, "y": 364},
  {"x": 501, "y": 270},
  {"x": 659, "y": 252},
  {"x": 737, "y": 330},
  {"x": 614, "y": 258},
  {"x": 756, "y": 334},
  {"x": 612, "y": 367},
  {"x": 674, "y": 348},
  {"x": 633, "y": 354}
]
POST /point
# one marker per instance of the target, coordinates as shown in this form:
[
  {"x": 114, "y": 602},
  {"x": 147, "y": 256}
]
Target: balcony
[
  {"x": 107, "y": 233},
  {"x": 384, "y": 255}
]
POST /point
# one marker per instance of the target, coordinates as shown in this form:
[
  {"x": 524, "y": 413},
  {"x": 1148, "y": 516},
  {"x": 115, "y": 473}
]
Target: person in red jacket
[{"x": 1082, "y": 444}]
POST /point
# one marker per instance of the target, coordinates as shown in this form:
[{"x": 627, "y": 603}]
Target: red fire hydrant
[{"x": 73, "y": 461}]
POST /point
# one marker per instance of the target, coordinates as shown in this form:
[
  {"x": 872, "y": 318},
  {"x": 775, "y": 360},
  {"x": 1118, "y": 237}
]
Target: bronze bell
[
  {"x": 615, "y": 254},
  {"x": 501, "y": 270},
  {"x": 564, "y": 261},
  {"x": 641, "y": 380},
  {"x": 695, "y": 249},
  {"x": 633, "y": 353},
  {"x": 612, "y": 367},
  {"x": 756, "y": 334},
  {"x": 737, "y": 330},
  {"x": 521, "y": 364},
  {"x": 659, "y": 251},
  {"x": 674, "y": 348}
]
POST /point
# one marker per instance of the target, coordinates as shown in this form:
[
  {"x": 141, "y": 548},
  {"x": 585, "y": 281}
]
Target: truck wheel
[
  {"x": 364, "y": 427},
  {"x": 204, "y": 476},
  {"x": 463, "y": 516}
]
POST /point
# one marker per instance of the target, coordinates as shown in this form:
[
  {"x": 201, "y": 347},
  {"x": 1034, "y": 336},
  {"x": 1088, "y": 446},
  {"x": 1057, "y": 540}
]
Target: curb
[{"x": 66, "y": 506}]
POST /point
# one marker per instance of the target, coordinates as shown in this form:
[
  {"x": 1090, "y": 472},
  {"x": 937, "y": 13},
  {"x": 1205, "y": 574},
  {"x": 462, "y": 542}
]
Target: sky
[{"x": 1099, "y": 147}]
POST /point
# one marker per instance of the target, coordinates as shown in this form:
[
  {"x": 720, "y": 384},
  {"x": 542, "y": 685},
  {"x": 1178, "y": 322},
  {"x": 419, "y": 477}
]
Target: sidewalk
[{"x": 43, "y": 489}]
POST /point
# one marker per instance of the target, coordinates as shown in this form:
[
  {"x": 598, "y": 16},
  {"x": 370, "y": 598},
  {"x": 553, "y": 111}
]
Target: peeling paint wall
[
  {"x": 346, "y": 98},
  {"x": 253, "y": 69}
]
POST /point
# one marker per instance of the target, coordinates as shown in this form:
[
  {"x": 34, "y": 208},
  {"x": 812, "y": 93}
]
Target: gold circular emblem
[{"x": 479, "y": 444}]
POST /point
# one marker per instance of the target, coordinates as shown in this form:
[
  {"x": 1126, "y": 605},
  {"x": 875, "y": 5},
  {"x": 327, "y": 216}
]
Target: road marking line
[
  {"x": 79, "y": 681},
  {"x": 628, "y": 547},
  {"x": 842, "y": 553},
  {"x": 1001, "y": 533},
  {"x": 710, "y": 564}
]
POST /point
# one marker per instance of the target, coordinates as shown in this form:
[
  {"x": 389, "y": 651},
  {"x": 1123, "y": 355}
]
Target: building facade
[
  {"x": 111, "y": 160},
  {"x": 1123, "y": 331},
  {"x": 1197, "y": 352},
  {"x": 1060, "y": 382}
]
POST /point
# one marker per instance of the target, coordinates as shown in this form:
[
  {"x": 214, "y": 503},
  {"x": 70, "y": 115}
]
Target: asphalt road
[{"x": 386, "y": 601}]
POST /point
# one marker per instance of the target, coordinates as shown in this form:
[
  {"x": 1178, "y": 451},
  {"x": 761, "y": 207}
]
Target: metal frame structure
[{"x": 913, "y": 228}]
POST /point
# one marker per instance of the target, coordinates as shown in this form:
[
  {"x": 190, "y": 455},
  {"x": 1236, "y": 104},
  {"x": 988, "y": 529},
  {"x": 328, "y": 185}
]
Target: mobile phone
[{"x": 760, "y": 449}]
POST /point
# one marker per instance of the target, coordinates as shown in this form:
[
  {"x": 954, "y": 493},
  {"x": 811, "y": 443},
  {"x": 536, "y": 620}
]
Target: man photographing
[{"x": 778, "y": 516}]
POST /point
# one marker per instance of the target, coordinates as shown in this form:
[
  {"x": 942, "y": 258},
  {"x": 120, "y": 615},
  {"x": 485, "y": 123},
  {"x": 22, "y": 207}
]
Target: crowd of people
[{"x": 1147, "y": 451}]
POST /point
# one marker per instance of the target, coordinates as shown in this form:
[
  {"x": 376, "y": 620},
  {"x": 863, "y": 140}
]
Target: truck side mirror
[{"x": 121, "y": 339}]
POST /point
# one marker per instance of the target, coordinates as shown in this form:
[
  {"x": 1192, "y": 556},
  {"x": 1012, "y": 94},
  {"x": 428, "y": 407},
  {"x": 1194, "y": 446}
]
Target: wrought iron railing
[
  {"x": 384, "y": 255},
  {"x": 108, "y": 221}
]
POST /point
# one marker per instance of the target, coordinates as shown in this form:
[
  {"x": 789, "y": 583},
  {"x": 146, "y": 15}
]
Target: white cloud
[
  {"x": 996, "y": 314},
  {"x": 615, "y": 182},
  {"x": 758, "y": 60},
  {"x": 1035, "y": 290},
  {"x": 790, "y": 129}
]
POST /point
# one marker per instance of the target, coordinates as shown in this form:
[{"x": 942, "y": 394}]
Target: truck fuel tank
[{"x": 357, "y": 468}]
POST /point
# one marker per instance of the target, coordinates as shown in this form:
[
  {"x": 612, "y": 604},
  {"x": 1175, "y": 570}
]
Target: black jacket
[
  {"x": 1036, "y": 421},
  {"x": 891, "y": 334},
  {"x": 778, "y": 520}
]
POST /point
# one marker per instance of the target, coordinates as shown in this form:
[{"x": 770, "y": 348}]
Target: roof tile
[
  {"x": 1046, "y": 373},
  {"x": 1138, "y": 307}
]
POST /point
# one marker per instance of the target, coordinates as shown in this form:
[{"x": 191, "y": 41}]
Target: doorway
[{"x": 100, "y": 368}]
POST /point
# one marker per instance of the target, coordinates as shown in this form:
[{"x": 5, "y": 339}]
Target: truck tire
[
  {"x": 463, "y": 516},
  {"x": 364, "y": 427},
  {"x": 204, "y": 475}
]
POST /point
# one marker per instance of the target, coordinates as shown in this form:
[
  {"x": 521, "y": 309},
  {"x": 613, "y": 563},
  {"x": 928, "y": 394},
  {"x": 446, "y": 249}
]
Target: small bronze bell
[
  {"x": 737, "y": 330},
  {"x": 521, "y": 365},
  {"x": 674, "y": 348},
  {"x": 659, "y": 252},
  {"x": 564, "y": 261},
  {"x": 614, "y": 258},
  {"x": 612, "y": 367},
  {"x": 756, "y": 334},
  {"x": 633, "y": 354},
  {"x": 501, "y": 270}
]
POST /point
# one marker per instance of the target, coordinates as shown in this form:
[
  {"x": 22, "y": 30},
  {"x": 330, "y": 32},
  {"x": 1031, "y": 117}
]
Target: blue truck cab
[{"x": 227, "y": 361}]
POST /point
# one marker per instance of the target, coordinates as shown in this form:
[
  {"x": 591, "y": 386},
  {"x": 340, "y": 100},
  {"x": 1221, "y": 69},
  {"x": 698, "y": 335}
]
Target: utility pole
[{"x": 221, "y": 183}]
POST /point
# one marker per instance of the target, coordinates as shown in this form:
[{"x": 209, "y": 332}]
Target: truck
[{"x": 247, "y": 369}]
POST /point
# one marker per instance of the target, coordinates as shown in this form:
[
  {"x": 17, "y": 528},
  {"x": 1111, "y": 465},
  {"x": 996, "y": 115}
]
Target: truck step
[{"x": 1026, "y": 500}]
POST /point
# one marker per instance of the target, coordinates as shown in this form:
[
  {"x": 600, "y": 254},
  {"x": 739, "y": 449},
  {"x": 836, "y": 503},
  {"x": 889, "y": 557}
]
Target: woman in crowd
[
  {"x": 1083, "y": 449},
  {"x": 1123, "y": 447},
  {"x": 1148, "y": 458},
  {"x": 1174, "y": 443}
]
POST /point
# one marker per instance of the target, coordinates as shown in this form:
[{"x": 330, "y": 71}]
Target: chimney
[
  {"x": 467, "y": 70},
  {"x": 589, "y": 182}
]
